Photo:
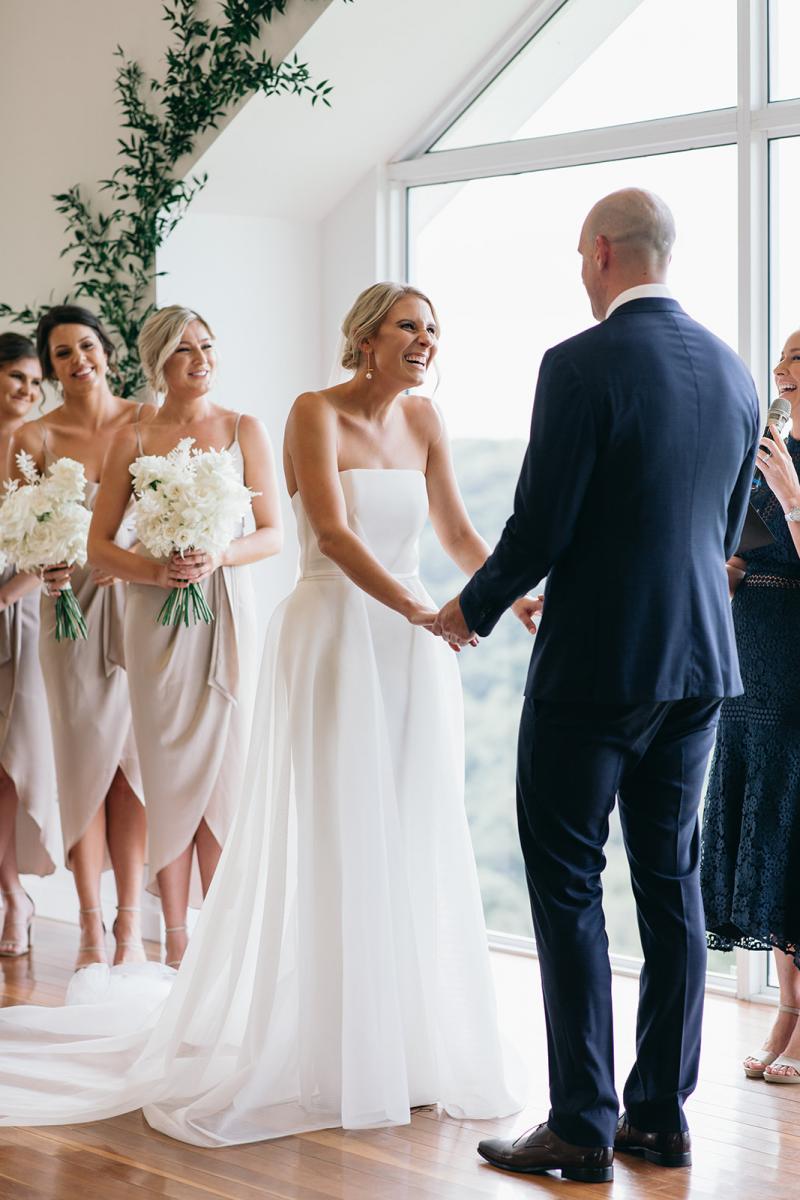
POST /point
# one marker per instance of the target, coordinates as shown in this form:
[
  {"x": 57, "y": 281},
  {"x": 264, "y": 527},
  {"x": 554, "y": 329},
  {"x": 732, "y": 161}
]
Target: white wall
[
  {"x": 59, "y": 121},
  {"x": 351, "y": 257},
  {"x": 257, "y": 282}
]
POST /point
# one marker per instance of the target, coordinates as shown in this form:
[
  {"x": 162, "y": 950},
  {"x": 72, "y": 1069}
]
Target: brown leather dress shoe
[
  {"x": 663, "y": 1149},
  {"x": 539, "y": 1150}
]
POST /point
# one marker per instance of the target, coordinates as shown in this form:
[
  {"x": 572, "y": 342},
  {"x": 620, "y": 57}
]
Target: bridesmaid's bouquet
[
  {"x": 44, "y": 522},
  {"x": 188, "y": 499}
]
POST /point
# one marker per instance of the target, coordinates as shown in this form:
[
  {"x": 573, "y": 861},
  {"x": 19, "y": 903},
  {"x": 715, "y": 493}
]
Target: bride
[{"x": 339, "y": 973}]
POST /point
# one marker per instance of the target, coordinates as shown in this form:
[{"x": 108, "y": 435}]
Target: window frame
[{"x": 751, "y": 125}]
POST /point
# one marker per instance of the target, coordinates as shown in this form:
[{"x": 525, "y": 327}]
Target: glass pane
[
  {"x": 608, "y": 64},
  {"x": 784, "y": 308},
  {"x": 498, "y": 257},
  {"x": 784, "y": 33}
]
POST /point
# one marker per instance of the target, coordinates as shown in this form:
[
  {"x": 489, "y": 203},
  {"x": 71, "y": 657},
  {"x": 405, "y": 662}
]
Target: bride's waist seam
[{"x": 309, "y": 576}]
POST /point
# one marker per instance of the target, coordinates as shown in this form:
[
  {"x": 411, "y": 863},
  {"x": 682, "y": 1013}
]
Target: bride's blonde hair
[
  {"x": 367, "y": 314},
  {"x": 160, "y": 337}
]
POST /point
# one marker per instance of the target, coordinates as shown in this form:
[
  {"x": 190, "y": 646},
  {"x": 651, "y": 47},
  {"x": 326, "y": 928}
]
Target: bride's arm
[
  {"x": 311, "y": 444},
  {"x": 109, "y": 509},
  {"x": 458, "y": 536}
]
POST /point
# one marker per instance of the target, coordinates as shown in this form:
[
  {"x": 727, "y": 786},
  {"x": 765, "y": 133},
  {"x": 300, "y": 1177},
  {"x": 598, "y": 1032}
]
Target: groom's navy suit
[{"x": 631, "y": 497}]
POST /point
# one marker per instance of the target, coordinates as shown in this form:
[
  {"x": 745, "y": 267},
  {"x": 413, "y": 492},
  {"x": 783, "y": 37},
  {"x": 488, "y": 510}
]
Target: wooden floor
[{"x": 746, "y": 1133}]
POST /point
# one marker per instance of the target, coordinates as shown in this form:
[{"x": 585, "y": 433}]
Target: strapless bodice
[{"x": 386, "y": 508}]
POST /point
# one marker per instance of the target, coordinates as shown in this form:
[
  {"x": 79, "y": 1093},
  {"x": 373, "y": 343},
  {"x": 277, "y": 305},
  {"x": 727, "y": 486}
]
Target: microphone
[{"x": 779, "y": 414}]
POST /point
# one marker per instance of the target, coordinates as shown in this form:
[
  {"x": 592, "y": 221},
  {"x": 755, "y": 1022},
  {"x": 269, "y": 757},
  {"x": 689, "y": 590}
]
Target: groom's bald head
[
  {"x": 626, "y": 240},
  {"x": 636, "y": 221}
]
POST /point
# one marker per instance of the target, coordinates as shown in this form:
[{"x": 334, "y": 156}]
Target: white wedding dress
[{"x": 339, "y": 972}]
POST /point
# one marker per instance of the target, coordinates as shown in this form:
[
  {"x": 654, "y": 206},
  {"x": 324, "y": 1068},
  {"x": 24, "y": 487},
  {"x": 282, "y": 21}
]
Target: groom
[{"x": 632, "y": 496}]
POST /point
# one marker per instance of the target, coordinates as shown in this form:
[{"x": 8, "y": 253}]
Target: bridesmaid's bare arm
[
  {"x": 27, "y": 438},
  {"x": 18, "y": 586},
  {"x": 109, "y": 509},
  {"x": 311, "y": 446},
  {"x": 259, "y": 475}
]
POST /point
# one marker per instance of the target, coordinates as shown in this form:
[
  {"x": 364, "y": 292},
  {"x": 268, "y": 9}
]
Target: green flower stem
[
  {"x": 175, "y": 609},
  {"x": 70, "y": 621}
]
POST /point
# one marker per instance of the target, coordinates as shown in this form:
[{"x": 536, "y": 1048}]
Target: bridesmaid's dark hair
[
  {"x": 14, "y": 346},
  {"x": 68, "y": 314}
]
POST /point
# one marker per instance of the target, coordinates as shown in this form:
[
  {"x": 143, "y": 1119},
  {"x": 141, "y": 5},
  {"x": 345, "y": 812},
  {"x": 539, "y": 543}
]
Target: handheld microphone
[{"x": 779, "y": 414}]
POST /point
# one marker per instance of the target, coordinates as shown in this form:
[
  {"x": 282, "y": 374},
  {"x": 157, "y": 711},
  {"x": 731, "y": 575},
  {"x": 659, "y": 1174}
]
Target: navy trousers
[{"x": 574, "y": 761}]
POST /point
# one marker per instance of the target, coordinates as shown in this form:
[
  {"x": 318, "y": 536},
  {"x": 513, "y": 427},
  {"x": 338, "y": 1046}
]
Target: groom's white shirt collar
[{"x": 641, "y": 292}]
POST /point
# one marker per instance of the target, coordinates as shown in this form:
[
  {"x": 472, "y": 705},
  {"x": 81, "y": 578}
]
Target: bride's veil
[{"x": 337, "y": 373}]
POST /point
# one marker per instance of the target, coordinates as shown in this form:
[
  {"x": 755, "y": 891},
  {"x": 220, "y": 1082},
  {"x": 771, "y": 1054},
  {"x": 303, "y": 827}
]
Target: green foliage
[{"x": 209, "y": 67}]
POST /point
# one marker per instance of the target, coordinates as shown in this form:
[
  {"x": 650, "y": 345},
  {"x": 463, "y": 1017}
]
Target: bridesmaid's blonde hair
[
  {"x": 368, "y": 313},
  {"x": 160, "y": 337}
]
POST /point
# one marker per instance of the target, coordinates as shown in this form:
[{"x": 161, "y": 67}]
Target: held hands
[
  {"x": 775, "y": 463},
  {"x": 427, "y": 618},
  {"x": 450, "y": 625}
]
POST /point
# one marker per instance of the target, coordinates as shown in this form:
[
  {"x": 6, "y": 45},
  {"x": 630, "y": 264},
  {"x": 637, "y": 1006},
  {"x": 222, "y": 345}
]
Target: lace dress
[{"x": 751, "y": 824}]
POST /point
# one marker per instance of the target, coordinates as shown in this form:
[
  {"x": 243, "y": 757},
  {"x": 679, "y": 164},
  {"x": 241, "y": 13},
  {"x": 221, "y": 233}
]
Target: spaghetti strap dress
[
  {"x": 87, "y": 694},
  {"x": 26, "y": 752},
  {"x": 192, "y": 690}
]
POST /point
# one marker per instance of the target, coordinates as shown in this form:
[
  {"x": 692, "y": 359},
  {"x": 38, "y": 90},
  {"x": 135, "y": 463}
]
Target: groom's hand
[
  {"x": 526, "y": 608},
  {"x": 451, "y": 626}
]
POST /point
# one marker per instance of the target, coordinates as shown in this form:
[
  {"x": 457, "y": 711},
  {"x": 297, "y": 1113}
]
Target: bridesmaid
[
  {"x": 190, "y": 685},
  {"x": 99, "y": 786},
  {"x": 28, "y": 824}
]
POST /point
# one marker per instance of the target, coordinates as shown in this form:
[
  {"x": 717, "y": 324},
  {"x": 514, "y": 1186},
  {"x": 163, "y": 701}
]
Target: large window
[
  {"x": 605, "y": 64},
  {"x": 784, "y": 38},
  {"x": 696, "y": 99},
  {"x": 507, "y": 289}
]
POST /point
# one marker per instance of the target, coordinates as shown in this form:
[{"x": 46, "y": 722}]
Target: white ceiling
[{"x": 394, "y": 65}]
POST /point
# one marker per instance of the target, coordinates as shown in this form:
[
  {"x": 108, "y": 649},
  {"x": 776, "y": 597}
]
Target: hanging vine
[{"x": 209, "y": 66}]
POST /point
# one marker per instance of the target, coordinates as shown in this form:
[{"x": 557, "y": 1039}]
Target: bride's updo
[
  {"x": 367, "y": 314},
  {"x": 160, "y": 337}
]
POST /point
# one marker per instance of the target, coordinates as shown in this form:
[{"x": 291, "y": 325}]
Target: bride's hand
[
  {"x": 420, "y": 615},
  {"x": 526, "y": 608},
  {"x": 425, "y": 617}
]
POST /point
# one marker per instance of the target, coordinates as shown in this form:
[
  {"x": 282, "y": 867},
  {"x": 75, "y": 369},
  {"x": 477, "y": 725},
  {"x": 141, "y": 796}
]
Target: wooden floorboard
[{"x": 746, "y": 1133}]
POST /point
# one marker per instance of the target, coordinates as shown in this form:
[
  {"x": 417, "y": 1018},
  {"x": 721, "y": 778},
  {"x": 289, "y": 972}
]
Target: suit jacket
[{"x": 631, "y": 497}]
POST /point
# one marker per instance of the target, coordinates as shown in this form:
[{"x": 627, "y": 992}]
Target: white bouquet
[
  {"x": 44, "y": 522},
  {"x": 188, "y": 499}
]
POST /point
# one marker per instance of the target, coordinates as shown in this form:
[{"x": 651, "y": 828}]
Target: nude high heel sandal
[
  {"x": 87, "y": 912},
  {"x": 755, "y": 1064},
  {"x": 134, "y": 945},
  {"x": 15, "y": 947},
  {"x": 174, "y": 929}
]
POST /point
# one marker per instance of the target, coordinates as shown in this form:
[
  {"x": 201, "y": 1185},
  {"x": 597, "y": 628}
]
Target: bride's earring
[{"x": 369, "y": 367}]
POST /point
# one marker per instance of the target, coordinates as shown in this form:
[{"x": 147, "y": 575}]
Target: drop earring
[{"x": 369, "y": 368}]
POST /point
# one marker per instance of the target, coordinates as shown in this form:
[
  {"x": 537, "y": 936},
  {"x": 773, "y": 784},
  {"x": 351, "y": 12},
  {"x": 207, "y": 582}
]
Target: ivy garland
[{"x": 209, "y": 67}]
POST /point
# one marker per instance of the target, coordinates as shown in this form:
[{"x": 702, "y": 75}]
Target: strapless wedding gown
[{"x": 339, "y": 972}]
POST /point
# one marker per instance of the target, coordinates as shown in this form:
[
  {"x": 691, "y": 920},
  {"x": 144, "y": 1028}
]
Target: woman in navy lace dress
[{"x": 751, "y": 824}]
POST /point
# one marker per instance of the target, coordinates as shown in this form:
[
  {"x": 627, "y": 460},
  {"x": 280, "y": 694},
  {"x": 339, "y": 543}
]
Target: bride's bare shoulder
[
  {"x": 423, "y": 415},
  {"x": 313, "y": 408}
]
